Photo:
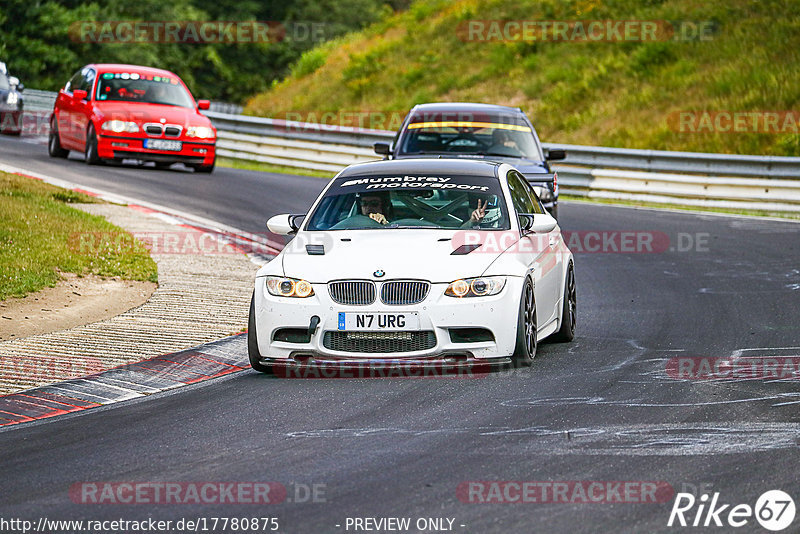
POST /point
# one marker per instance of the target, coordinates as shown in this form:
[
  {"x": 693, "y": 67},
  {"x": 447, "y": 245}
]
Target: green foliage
[{"x": 45, "y": 42}]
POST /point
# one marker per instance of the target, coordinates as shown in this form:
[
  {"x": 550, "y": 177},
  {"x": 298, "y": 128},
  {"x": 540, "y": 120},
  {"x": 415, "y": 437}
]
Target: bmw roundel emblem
[{"x": 379, "y": 273}]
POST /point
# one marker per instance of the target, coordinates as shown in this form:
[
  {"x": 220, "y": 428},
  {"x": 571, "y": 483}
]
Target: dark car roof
[
  {"x": 463, "y": 167},
  {"x": 465, "y": 106}
]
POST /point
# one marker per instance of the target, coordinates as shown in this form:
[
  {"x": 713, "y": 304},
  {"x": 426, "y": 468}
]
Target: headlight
[
  {"x": 118, "y": 126},
  {"x": 476, "y": 287},
  {"x": 289, "y": 287},
  {"x": 201, "y": 132},
  {"x": 13, "y": 98}
]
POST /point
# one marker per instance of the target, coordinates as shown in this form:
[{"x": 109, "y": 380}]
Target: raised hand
[{"x": 480, "y": 212}]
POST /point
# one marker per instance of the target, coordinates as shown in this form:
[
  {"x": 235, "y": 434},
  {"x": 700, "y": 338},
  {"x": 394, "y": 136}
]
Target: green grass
[
  {"x": 624, "y": 94},
  {"x": 267, "y": 167},
  {"x": 41, "y": 235}
]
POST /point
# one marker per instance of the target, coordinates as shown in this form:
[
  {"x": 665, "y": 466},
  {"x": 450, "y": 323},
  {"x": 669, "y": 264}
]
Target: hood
[
  {"x": 401, "y": 253},
  {"x": 142, "y": 112}
]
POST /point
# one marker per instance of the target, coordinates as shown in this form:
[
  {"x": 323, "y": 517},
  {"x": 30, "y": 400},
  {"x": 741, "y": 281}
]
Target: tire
[
  {"x": 569, "y": 309},
  {"x": 54, "y": 147},
  {"x": 252, "y": 343},
  {"x": 91, "y": 147},
  {"x": 205, "y": 169},
  {"x": 525, "y": 349},
  {"x": 10, "y": 131}
]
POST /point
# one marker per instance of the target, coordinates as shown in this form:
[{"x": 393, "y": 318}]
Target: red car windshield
[{"x": 134, "y": 87}]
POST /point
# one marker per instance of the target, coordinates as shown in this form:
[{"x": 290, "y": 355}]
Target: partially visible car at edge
[
  {"x": 112, "y": 112},
  {"x": 497, "y": 133},
  {"x": 11, "y": 102}
]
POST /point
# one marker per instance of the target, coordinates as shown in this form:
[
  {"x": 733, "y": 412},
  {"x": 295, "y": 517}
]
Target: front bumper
[
  {"x": 447, "y": 318},
  {"x": 193, "y": 152}
]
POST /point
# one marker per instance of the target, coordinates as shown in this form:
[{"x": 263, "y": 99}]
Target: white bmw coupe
[{"x": 426, "y": 260}]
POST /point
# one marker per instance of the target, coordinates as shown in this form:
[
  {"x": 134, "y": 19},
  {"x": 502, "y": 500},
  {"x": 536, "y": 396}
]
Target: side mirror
[
  {"x": 283, "y": 224},
  {"x": 382, "y": 149},
  {"x": 203, "y": 104},
  {"x": 537, "y": 223},
  {"x": 555, "y": 154},
  {"x": 79, "y": 94}
]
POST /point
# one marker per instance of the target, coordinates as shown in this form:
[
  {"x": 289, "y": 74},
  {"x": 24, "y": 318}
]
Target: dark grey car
[
  {"x": 496, "y": 133},
  {"x": 10, "y": 103}
]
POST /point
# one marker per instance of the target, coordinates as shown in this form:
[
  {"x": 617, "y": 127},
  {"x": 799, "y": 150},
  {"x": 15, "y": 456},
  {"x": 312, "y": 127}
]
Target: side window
[
  {"x": 74, "y": 82},
  {"x": 519, "y": 194},
  {"x": 87, "y": 81},
  {"x": 537, "y": 203}
]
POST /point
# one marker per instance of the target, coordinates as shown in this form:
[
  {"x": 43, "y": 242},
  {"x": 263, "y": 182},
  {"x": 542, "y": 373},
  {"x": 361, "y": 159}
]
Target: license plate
[
  {"x": 378, "y": 322},
  {"x": 162, "y": 144}
]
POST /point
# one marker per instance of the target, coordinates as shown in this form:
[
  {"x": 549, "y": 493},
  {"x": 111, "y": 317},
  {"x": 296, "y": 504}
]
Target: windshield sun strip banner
[{"x": 468, "y": 124}]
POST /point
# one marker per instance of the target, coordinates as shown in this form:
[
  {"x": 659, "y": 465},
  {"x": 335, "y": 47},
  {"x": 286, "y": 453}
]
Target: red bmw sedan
[{"x": 115, "y": 112}]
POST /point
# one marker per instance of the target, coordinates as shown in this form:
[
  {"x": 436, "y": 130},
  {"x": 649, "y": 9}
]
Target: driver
[
  {"x": 502, "y": 139},
  {"x": 374, "y": 205}
]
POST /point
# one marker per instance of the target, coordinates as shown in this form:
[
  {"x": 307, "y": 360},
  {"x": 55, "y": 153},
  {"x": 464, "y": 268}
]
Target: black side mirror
[
  {"x": 555, "y": 154},
  {"x": 382, "y": 149}
]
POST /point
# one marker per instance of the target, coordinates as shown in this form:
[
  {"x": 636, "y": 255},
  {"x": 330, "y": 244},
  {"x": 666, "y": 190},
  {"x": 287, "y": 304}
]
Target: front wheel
[
  {"x": 252, "y": 341},
  {"x": 91, "y": 147},
  {"x": 525, "y": 349},
  {"x": 205, "y": 169},
  {"x": 569, "y": 309}
]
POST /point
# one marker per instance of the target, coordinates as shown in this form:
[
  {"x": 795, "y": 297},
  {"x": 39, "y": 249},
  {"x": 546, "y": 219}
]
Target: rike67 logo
[{"x": 774, "y": 510}]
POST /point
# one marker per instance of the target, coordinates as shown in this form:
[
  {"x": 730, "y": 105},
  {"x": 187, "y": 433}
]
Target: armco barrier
[{"x": 688, "y": 178}]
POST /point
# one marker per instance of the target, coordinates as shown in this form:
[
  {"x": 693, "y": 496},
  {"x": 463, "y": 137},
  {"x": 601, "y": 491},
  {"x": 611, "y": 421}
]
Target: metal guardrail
[{"x": 688, "y": 178}]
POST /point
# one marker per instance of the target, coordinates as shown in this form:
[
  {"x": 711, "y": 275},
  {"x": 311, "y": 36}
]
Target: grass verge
[
  {"x": 694, "y": 209},
  {"x": 41, "y": 235},
  {"x": 267, "y": 167}
]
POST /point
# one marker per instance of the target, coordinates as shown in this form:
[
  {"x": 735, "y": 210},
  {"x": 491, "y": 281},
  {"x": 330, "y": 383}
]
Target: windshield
[
  {"x": 134, "y": 87},
  {"x": 375, "y": 202},
  {"x": 488, "y": 135}
]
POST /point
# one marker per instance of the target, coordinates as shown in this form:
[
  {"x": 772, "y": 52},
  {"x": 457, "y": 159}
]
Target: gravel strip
[{"x": 200, "y": 298}]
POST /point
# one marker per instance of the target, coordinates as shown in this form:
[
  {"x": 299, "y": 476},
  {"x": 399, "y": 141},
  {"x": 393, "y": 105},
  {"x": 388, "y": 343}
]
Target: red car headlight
[{"x": 200, "y": 132}]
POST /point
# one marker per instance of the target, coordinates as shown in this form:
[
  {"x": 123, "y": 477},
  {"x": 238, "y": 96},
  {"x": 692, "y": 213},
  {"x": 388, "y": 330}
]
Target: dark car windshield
[
  {"x": 134, "y": 87},
  {"x": 389, "y": 202},
  {"x": 464, "y": 133}
]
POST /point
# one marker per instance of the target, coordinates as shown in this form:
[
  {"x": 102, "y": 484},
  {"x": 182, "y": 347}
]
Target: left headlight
[
  {"x": 13, "y": 98},
  {"x": 476, "y": 287},
  {"x": 289, "y": 287},
  {"x": 118, "y": 126},
  {"x": 201, "y": 132}
]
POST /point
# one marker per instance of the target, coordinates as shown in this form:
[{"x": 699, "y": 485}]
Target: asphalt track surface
[{"x": 602, "y": 408}]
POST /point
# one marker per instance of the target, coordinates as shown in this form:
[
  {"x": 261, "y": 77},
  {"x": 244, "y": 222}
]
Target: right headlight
[
  {"x": 118, "y": 126},
  {"x": 476, "y": 287},
  {"x": 280, "y": 286},
  {"x": 13, "y": 98}
]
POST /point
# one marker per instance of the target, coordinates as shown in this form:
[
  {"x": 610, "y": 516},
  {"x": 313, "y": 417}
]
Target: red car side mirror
[
  {"x": 79, "y": 94},
  {"x": 203, "y": 104}
]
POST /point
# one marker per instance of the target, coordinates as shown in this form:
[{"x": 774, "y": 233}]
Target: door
[{"x": 539, "y": 252}]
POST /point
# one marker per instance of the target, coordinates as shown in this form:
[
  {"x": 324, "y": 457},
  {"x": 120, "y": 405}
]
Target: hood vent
[{"x": 465, "y": 249}]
